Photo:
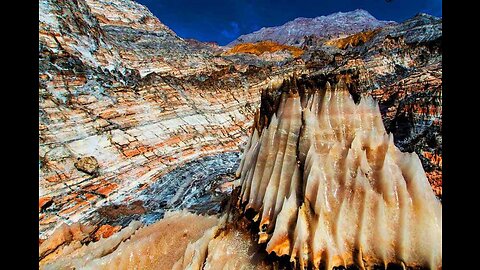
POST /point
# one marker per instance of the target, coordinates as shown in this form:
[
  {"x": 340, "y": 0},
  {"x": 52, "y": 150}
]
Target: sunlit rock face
[{"x": 330, "y": 188}]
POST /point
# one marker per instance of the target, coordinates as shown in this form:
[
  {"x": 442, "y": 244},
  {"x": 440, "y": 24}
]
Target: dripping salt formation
[
  {"x": 157, "y": 246},
  {"x": 330, "y": 188}
]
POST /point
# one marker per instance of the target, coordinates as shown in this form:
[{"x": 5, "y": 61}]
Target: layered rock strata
[
  {"x": 144, "y": 43},
  {"x": 132, "y": 127},
  {"x": 135, "y": 134},
  {"x": 322, "y": 183}
]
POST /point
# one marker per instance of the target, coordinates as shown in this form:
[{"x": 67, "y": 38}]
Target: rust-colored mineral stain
[
  {"x": 107, "y": 189},
  {"x": 44, "y": 202},
  {"x": 131, "y": 152},
  {"x": 353, "y": 40},
  {"x": 106, "y": 231}
]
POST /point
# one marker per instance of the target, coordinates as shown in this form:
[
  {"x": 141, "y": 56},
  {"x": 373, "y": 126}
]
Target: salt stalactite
[
  {"x": 330, "y": 188},
  {"x": 223, "y": 247},
  {"x": 233, "y": 250},
  {"x": 196, "y": 252}
]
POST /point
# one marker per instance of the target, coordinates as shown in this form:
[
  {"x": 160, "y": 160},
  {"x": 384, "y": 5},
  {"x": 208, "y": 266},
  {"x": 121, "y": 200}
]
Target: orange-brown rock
[
  {"x": 352, "y": 40},
  {"x": 157, "y": 246},
  {"x": 63, "y": 235},
  {"x": 262, "y": 47},
  {"x": 105, "y": 231},
  {"x": 44, "y": 202}
]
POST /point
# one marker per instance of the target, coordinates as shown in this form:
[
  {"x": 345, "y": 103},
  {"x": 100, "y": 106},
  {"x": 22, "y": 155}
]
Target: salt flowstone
[{"x": 330, "y": 187}]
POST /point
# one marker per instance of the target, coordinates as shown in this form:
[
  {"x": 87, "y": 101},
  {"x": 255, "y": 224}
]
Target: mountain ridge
[{"x": 329, "y": 26}]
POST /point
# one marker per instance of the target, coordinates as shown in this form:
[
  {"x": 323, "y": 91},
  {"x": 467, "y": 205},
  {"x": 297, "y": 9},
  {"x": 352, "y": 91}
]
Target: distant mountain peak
[
  {"x": 426, "y": 15},
  {"x": 333, "y": 25},
  {"x": 357, "y": 11}
]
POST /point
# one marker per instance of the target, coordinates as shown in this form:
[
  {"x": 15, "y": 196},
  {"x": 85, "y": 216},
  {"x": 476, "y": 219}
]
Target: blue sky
[{"x": 224, "y": 20}]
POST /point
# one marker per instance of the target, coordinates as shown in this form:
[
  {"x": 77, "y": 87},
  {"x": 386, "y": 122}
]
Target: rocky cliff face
[
  {"x": 144, "y": 43},
  {"x": 331, "y": 26},
  {"x": 124, "y": 100},
  {"x": 107, "y": 93}
]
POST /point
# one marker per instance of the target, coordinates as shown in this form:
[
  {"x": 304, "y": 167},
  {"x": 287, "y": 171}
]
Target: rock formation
[
  {"x": 94, "y": 102},
  {"x": 151, "y": 247},
  {"x": 325, "y": 186},
  {"x": 400, "y": 66},
  {"x": 126, "y": 105},
  {"x": 330, "y": 187}
]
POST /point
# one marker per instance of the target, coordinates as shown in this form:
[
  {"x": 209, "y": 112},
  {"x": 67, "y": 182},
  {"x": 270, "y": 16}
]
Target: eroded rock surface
[
  {"x": 157, "y": 246},
  {"x": 137, "y": 121},
  {"x": 118, "y": 85},
  {"x": 322, "y": 185}
]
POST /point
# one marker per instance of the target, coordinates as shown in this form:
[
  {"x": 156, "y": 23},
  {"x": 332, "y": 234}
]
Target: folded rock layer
[{"x": 331, "y": 189}]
